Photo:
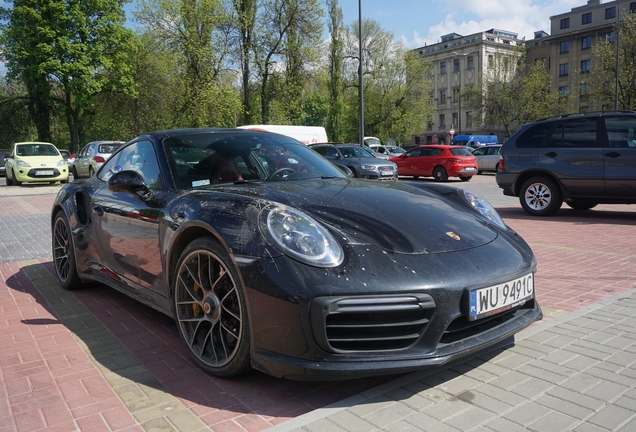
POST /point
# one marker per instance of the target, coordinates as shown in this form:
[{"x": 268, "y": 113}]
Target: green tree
[
  {"x": 396, "y": 85},
  {"x": 335, "y": 84},
  {"x": 74, "y": 47},
  {"x": 14, "y": 113},
  {"x": 603, "y": 78},
  {"x": 245, "y": 11}
]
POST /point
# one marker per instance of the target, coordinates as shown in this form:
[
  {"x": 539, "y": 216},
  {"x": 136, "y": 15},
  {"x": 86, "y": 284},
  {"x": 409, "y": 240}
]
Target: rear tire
[
  {"x": 440, "y": 174},
  {"x": 64, "y": 253},
  {"x": 540, "y": 196}
]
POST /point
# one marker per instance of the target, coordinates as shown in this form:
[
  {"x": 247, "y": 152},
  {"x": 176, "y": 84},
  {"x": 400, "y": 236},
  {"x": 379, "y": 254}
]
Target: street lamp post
[
  {"x": 459, "y": 96},
  {"x": 618, "y": 23},
  {"x": 360, "y": 90}
]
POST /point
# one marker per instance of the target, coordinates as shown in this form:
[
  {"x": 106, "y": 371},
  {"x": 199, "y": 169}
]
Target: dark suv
[{"x": 584, "y": 160}]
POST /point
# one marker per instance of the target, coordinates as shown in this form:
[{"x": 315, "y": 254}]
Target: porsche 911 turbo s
[{"x": 268, "y": 257}]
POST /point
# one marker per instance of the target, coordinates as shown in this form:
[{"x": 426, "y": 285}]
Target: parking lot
[{"x": 96, "y": 360}]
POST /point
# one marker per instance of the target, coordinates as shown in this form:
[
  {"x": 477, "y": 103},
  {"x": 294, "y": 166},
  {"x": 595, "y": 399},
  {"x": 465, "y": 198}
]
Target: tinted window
[
  {"x": 108, "y": 148},
  {"x": 460, "y": 151},
  {"x": 574, "y": 134},
  {"x": 621, "y": 131},
  {"x": 534, "y": 136}
]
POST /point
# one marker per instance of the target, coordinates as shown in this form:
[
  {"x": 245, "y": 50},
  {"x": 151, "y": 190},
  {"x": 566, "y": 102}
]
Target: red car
[{"x": 438, "y": 161}]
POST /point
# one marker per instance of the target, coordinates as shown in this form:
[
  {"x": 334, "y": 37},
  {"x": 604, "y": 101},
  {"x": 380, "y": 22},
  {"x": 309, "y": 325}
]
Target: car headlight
[
  {"x": 301, "y": 237},
  {"x": 367, "y": 167},
  {"x": 61, "y": 163},
  {"x": 484, "y": 208},
  {"x": 22, "y": 163}
]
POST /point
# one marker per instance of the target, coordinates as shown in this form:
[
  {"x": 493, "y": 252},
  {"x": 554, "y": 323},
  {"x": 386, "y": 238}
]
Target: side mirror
[{"x": 128, "y": 181}]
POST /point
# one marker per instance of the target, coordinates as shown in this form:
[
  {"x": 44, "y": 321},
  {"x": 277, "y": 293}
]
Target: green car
[{"x": 31, "y": 162}]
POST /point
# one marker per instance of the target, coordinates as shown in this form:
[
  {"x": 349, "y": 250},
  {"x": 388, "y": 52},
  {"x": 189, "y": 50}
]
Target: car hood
[{"x": 394, "y": 216}]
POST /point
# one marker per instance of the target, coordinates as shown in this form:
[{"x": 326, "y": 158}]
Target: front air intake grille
[{"x": 370, "y": 323}]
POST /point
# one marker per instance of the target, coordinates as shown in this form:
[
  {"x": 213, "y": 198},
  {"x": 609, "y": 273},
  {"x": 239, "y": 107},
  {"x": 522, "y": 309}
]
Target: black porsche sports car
[{"x": 269, "y": 257}]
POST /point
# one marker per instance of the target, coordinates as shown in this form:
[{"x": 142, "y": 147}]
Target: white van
[{"x": 304, "y": 134}]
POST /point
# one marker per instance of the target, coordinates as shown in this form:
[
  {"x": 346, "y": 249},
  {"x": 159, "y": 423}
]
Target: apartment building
[
  {"x": 459, "y": 61},
  {"x": 567, "y": 52}
]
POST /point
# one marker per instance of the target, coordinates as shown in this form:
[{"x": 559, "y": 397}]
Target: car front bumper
[
  {"x": 292, "y": 308},
  {"x": 45, "y": 174}
]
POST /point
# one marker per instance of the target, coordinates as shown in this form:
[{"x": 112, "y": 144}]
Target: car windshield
[
  {"x": 205, "y": 158},
  {"x": 108, "y": 148},
  {"x": 355, "y": 152},
  {"x": 36, "y": 149},
  {"x": 461, "y": 151}
]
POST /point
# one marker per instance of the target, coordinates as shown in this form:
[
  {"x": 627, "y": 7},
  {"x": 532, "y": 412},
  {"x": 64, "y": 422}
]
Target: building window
[
  {"x": 610, "y": 13},
  {"x": 565, "y": 23},
  {"x": 442, "y": 97},
  {"x": 565, "y": 47},
  {"x": 491, "y": 61},
  {"x": 455, "y": 95},
  {"x": 469, "y": 120},
  {"x": 609, "y": 37},
  {"x": 586, "y": 42},
  {"x": 632, "y": 7},
  {"x": 585, "y": 65},
  {"x": 586, "y": 18},
  {"x": 470, "y": 60},
  {"x": 442, "y": 67},
  {"x": 455, "y": 124},
  {"x": 563, "y": 91},
  {"x": 585, "y": 89},
  {"x": 564, "y": 69},
  {"x": 442, "y": 121},
  {"x": 456, "y": 65}
]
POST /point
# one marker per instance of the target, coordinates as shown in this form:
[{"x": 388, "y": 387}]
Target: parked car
[
  {"x": 92, "y": 157},
  {"x": 487, "y": 158},
  {"x": 357, "y": 160},
  {"x": 3, "y": 153},
  {"x": 474, "y": 140},
  {"x": 268, "y": 257},
  {"x": 371, "y": 152},
  {"x": 583, "y": 160},
  {"x": 438, "y": 161},
  {"x": 68, "y": 157},
  {"x": 30, "y": 162},
  {"x": 390, "y": 150}
]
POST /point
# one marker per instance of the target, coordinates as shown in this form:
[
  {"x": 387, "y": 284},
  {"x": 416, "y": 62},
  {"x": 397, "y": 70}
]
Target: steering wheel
[{"x": 280, "y": 171}]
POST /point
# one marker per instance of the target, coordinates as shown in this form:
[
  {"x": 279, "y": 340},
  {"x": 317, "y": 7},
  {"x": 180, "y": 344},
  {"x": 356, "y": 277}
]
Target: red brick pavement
[{"x": 49, "y": 383}]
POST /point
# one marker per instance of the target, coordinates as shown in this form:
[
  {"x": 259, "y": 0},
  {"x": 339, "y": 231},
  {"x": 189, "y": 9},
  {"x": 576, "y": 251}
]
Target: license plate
[
  {"x": 498, "y": 298},
  {"x": 44, "y": 173},
  {"x": 470, "y": 169},
  {"x": 387, "y": 172}
]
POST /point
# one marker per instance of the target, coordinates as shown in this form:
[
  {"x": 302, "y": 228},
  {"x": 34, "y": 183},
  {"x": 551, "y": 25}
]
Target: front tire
[
  {"x": 540, "y": 196},
  {"x": 75, "y": 176},
  {"x": 210, "y": 309},
  {"x": 64, "y": 253},
  {"x": 440, "y": 174},
  {"x": 9, "y": 180}
]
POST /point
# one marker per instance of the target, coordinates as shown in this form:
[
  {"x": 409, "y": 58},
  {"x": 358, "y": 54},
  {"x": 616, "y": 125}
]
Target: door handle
[
  {"x": 98, "y": 211},
  {"x": 551, "y": 154},
  {"x": 613, "y": 154}
]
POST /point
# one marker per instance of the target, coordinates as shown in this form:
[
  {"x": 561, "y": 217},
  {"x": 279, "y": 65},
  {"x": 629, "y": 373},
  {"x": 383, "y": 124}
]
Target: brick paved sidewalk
[{"x": 96, "y": 360}]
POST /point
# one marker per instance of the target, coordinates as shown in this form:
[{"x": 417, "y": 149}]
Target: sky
[{"x": 419, "y": 23}]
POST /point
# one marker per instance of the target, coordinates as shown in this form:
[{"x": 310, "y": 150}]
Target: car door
[
  {"x": 408, "y": 163},
  {"x": 574, "y": 154},
  {"x": 127, "y": 226},
  {"x": 83, "y": 161},
  {"x": 620, "y": 156}
]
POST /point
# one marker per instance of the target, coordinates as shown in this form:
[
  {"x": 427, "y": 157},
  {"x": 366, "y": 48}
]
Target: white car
[{"x": 487, "y": 158}]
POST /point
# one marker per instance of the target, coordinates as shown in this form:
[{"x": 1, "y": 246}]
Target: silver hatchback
[{"x": 92, "y": 157}]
